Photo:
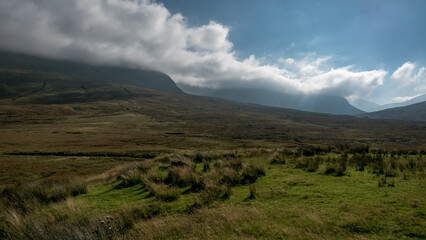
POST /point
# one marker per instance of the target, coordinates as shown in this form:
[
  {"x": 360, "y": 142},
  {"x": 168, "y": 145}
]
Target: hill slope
[
  {"x": 320, "y": 103},
  {"x": 414, "y": 112},
  {"x": 26, "y": 76},
  {"x": 365, "y": 105},
  {"x": 418, "y": 99}
]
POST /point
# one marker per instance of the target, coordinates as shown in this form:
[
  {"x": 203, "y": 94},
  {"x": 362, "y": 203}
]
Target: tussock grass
[
  {"x": 163, "y": 192},
  {"x": 25, "y": 197}
]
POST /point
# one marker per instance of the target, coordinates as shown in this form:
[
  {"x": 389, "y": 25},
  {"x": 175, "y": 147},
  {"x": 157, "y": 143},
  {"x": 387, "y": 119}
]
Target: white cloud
[
  {"x": 145, "y": 34},
  {"x": 406, "y": 73},
  {"x": 411, "y": 78}
]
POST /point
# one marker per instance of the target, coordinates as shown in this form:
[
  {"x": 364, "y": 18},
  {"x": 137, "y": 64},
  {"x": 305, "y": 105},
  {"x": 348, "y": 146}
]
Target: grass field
[
  {"x": 173, "y": 166},
  {"x": 152, "y": 199}
]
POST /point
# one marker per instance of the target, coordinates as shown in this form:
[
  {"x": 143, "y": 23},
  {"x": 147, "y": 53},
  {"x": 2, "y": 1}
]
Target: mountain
[
  {"x": 364, "y": 105},
  {"x": 414, "y": 112},
  {"x": 418, "y": 99},
  {"x": 320, "y": 103},
  {"x": 23, "y": 76}
]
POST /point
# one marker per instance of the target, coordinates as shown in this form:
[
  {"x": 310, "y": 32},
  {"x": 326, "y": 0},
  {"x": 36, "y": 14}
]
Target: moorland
[{"x": 118, "y": 160}]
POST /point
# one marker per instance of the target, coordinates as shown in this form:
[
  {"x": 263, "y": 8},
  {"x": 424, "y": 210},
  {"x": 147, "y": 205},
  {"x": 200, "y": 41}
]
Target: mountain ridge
[
  {"x": 320, "y": 103},
  {"x": 413, "y": 112},
  {"x": 23, "y": 75}
]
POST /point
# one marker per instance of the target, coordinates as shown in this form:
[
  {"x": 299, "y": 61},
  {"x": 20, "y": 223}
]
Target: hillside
[
  {"x": 320, "y": 103},
  {"x": 415, "y": 100},
  {"x": 414, "y": 112},
  {"x": 365, "y": 105},
  {"x": 33, "y": 77}
]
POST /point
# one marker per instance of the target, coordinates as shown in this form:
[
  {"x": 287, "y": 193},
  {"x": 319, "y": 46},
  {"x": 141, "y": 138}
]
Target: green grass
[{"x": 290, "y": 203}]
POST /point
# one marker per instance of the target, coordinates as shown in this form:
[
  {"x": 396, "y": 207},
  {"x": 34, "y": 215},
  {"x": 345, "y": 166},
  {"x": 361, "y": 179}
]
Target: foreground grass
[{"x": 287, "y": 203}]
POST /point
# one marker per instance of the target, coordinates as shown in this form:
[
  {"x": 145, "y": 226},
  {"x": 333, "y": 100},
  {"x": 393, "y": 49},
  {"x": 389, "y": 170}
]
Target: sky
[{"x": 373, "y": 50}]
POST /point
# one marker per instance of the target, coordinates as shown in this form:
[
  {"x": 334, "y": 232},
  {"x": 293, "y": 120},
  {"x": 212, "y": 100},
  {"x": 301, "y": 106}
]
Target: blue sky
[
  {"x": 365, "y": 33},
  {"x": 357, "y": 49}
]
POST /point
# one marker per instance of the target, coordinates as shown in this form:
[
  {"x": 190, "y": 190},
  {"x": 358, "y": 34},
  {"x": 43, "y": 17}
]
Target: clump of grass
[
  {"x": 337, "y": 166},
  {"x": 129, "y": 179},
  {"x": 180, "y": 161},
  {"x": 162, "y": 192},
  {"x": 183, "y": 177},
  {"x": 251, "y": 172},
  {"x": 230, "y": 176},
  {"x": 206, "y": 167},
  {"x": 145, "y": 166},
  {"x": 278, "y": 160},
  {"x": 212, "y": 192},
  {"x": 77, "y": 187},
  {"x": 154, "y": 175},
  {"x": 377, "y": 165},
  {"x": 313, "y": 164},
  {"x": 383, "y": 182},
  {"x": 23, "y": 197},
  {"x": 252, "y": 189},
  {"x": 360, "y": 161}
]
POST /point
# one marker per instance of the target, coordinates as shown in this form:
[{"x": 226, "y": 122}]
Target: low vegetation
[{"x": 333, "y": 194}]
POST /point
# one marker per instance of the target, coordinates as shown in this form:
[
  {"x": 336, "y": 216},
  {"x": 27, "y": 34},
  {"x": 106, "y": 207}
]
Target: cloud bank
[
  {"x": 144, "y": 34},
  {"x": 411, "y": 77}
]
